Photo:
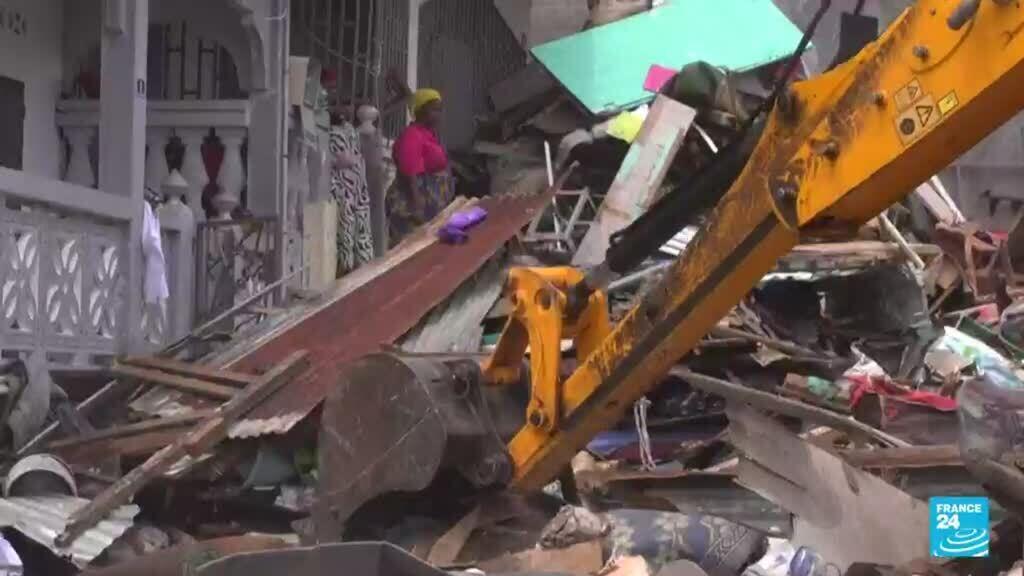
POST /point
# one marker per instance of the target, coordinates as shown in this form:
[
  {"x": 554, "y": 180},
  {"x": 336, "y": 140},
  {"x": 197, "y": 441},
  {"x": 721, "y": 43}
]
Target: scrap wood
[
  {"x": 764, "y": 400},
  {"x": 140, "y": 445},
  {"x": 183, "y": 383},
  {"x": 904, "y": 457},
  {"x": 188, "y": 369},
  {"x": 585, "y": 558},
  {"x": 207, "y": 434},
  {"x": 849, "y": 255},
  {"x": 456, "y": 325},
  {"x": 447, "y": 548},
  {"x": 639, "y": 178},
  {"x": 785, "y": 347},
  {"x": 691, "y": 492},
  {"x": 939, "y": 205},
  {"x": 894, "y": 234},
  {"x": 205, "y": 332},
  {"x": 151, "y": 425},
  {"x": 844, "y": 514}
]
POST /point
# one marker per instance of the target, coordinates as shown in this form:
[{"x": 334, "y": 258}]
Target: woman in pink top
[{"x": 423, "y": 186}]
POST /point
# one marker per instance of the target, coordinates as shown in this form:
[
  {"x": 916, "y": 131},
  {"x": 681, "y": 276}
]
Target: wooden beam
[
  {"x": 209, "y": 433},
  {"x": 913, "y": 457},
  {"x": 639, "y": 179},
  {"x": 192, "y": 385},
  {"x": 147, "y": 426},
  {"x": 766, "y": 401},
  {"x": 140, "y": 445},
  {"x": 187, "y": 369}
]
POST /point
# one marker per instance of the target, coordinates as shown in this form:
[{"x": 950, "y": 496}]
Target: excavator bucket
[{"x": 393, "y": 422}]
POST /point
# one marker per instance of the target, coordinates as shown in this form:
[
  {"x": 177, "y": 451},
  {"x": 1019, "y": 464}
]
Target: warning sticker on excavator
[
  {"x": 948, "y": 102},
  {"x": 909, "y": 94},
  {"x": 917, "y": 119}
]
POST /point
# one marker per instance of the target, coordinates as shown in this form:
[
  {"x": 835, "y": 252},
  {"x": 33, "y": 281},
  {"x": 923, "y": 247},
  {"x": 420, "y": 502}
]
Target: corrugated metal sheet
[
  {"x": 43, "y": 518},
  {"x": 378, "y": 313},
  {"x": 465, "y": 47}
]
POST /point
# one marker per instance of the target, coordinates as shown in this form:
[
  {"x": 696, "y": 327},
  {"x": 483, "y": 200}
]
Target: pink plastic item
[{"x": 657, "y": 77}]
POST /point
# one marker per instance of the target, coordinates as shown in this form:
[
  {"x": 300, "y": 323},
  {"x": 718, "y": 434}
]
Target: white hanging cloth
[{"x": 154, "y": 283}]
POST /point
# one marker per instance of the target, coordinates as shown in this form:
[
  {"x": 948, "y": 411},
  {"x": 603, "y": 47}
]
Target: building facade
[{"x": 101, "y": 100}]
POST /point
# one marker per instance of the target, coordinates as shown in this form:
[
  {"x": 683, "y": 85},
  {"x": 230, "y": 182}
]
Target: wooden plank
[
  {"x": 844, "y": 514},
  {"x": 848, "y": 255},
  {"x": 456, "y": 325},
  {"x": 147, "y": 426},
  {"x": 189, "y": 370},
  {"x": 789, "y": 348},
  {"x": 904, "y": 457},
  {"x": 786, "y": 406},
  {"x": 446, "y": 549},
  {"x": 936, "y": 204},
  {"x": 191, "y": 385},
  {"x": 639, "y": 178},
  {"x": 201, "y": 439},
  {"x": 138, "y": 446}
]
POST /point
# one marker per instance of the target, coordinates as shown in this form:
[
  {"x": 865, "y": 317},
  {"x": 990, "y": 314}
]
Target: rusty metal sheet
[
  {"x": 377, "y": 313},
  {"x": 40, "y": 518}
]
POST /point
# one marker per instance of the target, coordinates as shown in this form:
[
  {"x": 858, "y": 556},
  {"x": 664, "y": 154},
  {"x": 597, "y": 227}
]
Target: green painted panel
[{"x": 605, "y": 67}]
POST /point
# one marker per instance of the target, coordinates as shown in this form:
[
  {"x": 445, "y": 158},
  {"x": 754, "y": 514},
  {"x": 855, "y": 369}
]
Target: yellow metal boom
[{"x": 836, "y": 151}]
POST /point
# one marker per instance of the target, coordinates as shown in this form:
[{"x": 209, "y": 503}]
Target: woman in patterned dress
[
  {"x": 350, "y": 192},
  {"x": 423, "y": 186}
]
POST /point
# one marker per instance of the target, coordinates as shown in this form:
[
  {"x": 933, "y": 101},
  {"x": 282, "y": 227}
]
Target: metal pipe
[{"x": 636, "y": 278}]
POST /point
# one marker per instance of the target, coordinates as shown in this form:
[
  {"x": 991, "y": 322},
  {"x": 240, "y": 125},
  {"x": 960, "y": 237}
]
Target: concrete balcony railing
[
  {"x": 210, "y": 136},
  {"x": 64, "y": 250}
]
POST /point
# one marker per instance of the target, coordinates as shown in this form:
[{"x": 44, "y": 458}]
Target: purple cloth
[{"x": 456, "y": 230}]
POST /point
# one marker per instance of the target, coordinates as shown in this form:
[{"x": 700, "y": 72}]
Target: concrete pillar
[
  {"x": 181, "y": 262},
  {"x": 122, "y": 154},
  {"x": 268, "y": 187}
]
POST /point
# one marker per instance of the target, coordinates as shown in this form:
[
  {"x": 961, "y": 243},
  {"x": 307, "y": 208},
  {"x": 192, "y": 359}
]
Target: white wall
[{"x": 35, "y": 58}]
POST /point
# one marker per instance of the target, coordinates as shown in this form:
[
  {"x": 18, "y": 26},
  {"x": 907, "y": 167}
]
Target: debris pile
[{"x": 802, "y": 436}]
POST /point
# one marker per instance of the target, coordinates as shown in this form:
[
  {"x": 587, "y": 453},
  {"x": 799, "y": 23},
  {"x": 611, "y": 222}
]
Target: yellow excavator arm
[{"x": 835, "y": 151}]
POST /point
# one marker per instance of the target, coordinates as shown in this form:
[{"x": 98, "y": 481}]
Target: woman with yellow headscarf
[{"x": 423, "y": 186}]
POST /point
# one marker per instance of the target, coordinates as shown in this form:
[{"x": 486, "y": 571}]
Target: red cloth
[
  {"x": 882, "y": 386},
  {"x": 418, "y": 151}
]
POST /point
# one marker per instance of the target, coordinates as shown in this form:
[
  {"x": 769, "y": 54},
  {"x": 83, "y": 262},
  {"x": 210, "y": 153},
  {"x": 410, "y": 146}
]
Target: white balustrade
[
  {"x": 194, "y": 169},
  {"x": 66, "y": 279},
  {"x": 80, "y": 170},
  {"x": 232, "y": 173},
  {"x": 156, "y": 156}
]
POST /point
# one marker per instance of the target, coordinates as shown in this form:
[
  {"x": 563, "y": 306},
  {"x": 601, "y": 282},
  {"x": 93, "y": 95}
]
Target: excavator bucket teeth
[{"x": 393, "y": 422}]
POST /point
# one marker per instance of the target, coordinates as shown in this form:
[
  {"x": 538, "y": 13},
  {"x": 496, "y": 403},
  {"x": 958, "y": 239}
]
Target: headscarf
[{"x": 421, "y": 98}]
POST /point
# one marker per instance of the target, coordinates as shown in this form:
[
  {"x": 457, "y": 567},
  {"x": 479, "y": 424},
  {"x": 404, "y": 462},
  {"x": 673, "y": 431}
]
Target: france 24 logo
[{"x": 958, "y": 527}]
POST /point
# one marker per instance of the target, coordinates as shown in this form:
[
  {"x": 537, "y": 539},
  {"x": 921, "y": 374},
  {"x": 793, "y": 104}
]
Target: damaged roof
[{"x": 605, "y": 67}]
